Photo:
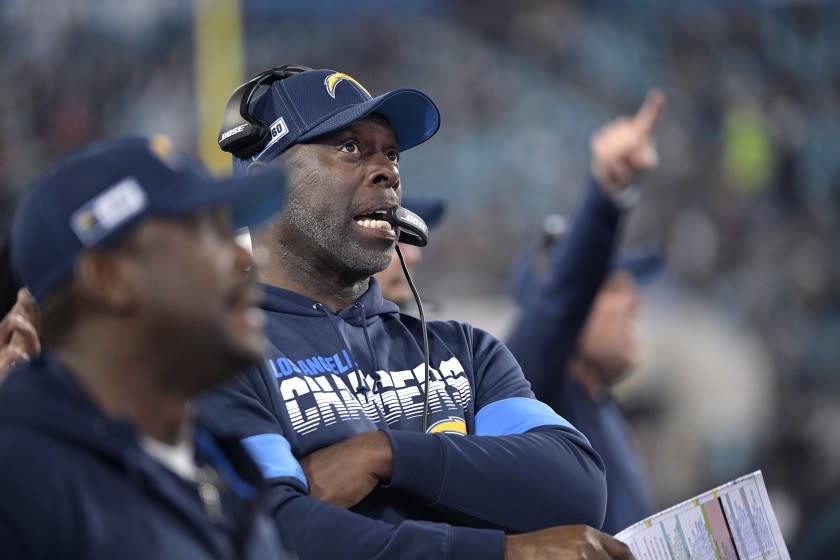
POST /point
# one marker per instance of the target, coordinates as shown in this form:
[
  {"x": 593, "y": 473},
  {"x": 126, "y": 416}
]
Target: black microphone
[{"x": 413, "y": 230}]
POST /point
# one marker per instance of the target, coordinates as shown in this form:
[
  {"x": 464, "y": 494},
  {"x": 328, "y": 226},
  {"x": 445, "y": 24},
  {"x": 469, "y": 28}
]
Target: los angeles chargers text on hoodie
[{"x": 494, "y": 460}]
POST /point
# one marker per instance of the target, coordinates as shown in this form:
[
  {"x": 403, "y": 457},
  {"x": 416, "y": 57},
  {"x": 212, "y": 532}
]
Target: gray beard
[{"x": 334, "y": 238}]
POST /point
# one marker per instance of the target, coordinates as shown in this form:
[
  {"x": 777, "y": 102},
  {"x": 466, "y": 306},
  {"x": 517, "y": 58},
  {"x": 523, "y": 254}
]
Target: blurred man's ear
[{"x": 101, "y": 279}]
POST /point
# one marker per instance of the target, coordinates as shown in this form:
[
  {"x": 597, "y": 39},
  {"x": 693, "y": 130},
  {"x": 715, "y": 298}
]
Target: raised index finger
[{"x": 649, "y": 112}]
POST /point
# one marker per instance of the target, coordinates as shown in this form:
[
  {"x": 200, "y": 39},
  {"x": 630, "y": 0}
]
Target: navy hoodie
[
  {"x": 76, "y": 484},
  {"x": 494, "y": 461},
  {"x": 546, "y": 335}
]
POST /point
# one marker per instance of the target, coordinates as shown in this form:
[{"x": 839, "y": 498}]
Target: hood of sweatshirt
[
  {"x": 341, "y": 342},
  {"x": 280, "y": 300},
  {"x": 72, "y": 416}
]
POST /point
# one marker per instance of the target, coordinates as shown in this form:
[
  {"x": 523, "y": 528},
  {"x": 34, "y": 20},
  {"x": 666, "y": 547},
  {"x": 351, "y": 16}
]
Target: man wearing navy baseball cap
[
  {"x": 146, "y": 300},
  {"x": 358, "y": 466}
]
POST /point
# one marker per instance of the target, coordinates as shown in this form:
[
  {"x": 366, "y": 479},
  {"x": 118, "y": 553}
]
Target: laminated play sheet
[{"x": 734, "y": 521}]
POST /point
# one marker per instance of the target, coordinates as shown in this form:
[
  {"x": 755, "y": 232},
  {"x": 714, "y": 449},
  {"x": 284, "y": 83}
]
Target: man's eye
[
  {"x": 394, "y": 155},
  {"x": 350, "y": 147}
]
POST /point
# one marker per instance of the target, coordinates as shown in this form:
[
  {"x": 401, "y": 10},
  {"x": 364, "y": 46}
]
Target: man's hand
[
  {"x": 18, "y": 335},
  {"x": 345, "y": 472},
  {"x": 569, "y": 542},
  {"x": 624, "y": 148}
]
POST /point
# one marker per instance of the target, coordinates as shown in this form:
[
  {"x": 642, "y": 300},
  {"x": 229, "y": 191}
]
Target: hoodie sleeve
[
  {"x": 522, "y": 468},
  {"x": 316, "y": 529},
  {"x": 244, "y": 409},
  {"x": 546, "y": 334}
]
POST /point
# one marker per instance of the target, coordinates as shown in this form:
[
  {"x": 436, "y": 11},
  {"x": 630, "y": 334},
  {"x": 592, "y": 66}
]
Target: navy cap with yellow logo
[
  {"x": 92, "y": 197},
  {"x": 307, "y": 105}
]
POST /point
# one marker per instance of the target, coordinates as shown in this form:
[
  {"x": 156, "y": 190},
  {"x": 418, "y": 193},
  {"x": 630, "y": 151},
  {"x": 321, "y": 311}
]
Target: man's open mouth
[{"x": 374, "y": 220}]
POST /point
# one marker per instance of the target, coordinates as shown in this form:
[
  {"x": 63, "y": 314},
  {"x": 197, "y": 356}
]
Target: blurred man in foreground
[{"x": 145, "y": 301}]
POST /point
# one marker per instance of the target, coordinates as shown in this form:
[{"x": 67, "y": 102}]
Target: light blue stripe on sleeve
[
  {"x": 517, "y": 415},
  {"x": 273, "y": 455}
]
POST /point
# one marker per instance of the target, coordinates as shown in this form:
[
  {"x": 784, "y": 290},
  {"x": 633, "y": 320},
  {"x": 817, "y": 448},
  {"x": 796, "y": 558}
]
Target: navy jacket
[
  {"x": 546, "y": 336},
  {"x": 76, "y": 485},
  {"x": 495, "y": 460}
]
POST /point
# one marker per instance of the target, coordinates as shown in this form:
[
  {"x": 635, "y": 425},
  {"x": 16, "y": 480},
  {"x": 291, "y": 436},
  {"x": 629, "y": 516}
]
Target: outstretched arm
[{"x": 546, "y": 334}]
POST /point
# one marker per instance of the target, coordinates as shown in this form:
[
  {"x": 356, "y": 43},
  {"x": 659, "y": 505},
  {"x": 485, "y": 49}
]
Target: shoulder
[
  {"x": 24, "y": 449},
  {"x": 36, "y": 465},
  {"x": 445, "y": 329},
  {"x": 460, "y": 338}
]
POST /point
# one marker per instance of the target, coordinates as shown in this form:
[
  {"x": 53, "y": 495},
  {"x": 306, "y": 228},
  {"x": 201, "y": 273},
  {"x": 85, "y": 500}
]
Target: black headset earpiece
[{"x": 241, "y": 134}]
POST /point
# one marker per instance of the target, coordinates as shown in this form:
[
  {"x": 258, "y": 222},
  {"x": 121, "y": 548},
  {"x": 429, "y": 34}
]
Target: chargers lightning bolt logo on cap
[
  {"x": 332, "y": 81},
  {"x": 161, "y": 145}
]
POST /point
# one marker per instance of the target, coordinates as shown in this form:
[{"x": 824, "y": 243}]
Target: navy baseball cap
[
  {"x": 92, "y": 197},
  {"x": 307, "y": 105},
  {"x": 430, "y": 209}
]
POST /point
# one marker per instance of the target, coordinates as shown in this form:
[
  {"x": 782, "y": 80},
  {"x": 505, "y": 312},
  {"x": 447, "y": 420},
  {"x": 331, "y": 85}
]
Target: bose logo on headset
[
  {"x": 413, "y": 219},
  {"x": 233, "y": 131},
  {"x": 278, "y": 130}
]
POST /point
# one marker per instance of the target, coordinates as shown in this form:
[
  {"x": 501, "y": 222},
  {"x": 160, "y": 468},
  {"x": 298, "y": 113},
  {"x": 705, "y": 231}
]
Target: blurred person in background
[
  {"x": 606, "y": 350},
  {"x": 392, "y": 280},
  {"x": 145, "y": 301},
  {"x": 335, "y": 416},
  {"x": 18, "y": 333},
  {"x": 18, "y": 328},
  {"x": 574, "y": 336}
]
